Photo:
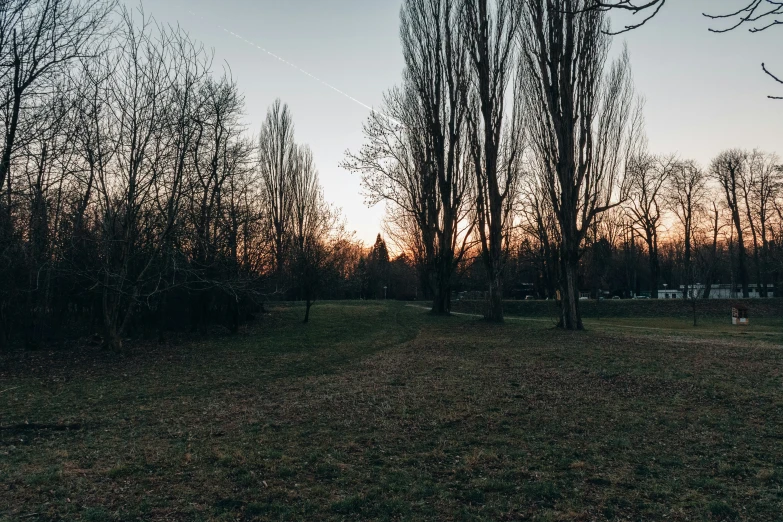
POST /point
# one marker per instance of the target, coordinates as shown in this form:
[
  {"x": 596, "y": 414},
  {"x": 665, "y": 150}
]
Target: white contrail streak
[{"x": 273, "y": 55}]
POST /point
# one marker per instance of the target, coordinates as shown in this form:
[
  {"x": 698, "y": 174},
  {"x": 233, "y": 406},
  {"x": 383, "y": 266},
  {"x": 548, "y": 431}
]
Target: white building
[
  {"x": 669, "y": 293},
  {"x": 724, "y": 291}
]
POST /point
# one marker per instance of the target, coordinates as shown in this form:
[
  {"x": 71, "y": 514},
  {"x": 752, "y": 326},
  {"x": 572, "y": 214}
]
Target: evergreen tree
[{"x": 377, "y": 267}]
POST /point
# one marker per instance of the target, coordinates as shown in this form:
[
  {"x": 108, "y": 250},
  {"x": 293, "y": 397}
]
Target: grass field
[
  {"x": 380, "y": 411},
  {"x": 711, "y": 309}
]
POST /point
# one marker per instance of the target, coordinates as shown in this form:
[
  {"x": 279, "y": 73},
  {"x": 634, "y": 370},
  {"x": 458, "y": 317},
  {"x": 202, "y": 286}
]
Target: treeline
[
  {"x": 514, "y": 152},
  {"x": 133, "y": 199},
  {"x": 679, "y": 224}
]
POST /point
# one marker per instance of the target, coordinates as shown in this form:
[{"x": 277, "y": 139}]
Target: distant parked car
[
  {"x": 530, "y": 298},
  {"x": 641, "y": 297},
  {"x": 616, "y": 297}
]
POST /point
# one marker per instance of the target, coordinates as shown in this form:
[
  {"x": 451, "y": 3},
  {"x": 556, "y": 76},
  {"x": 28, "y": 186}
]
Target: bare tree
[
  {"x": 220, "y": 160},
  {"x": 686, "y": 190},
  {"x": 647, "y": 8},
  {"x": 582, "y": 123},
  {"x": 277, "y": 160},
  {"x": 685, "y": 193},
  {"x": 728, "y": 169},
  {"x": 631, "y": 254},
  {"x": 39, "y": 39},
  {"x": 538, "y": 221},
  {"x": 136, "y": 191},
  {"x": 403, "y": 233},
  {"x": 396, "y": 167},
  {"x": 436, "y": 70},
  {"x": 760, "y": 15},
  {"x": 716, "y": 226},
  {"x": 136, "y": 94},
  {"x": 496, "y": 149},
  {"x": 139, "y": 125},
  {"x": 647, "y": 178},
  {"x": 414, "y": 156},
  {"x": 758, "y": 183},
  {"x": 317, "y": 233},
  {"x": 776, "y": 231},
  {"x": 45, "y": 162}
]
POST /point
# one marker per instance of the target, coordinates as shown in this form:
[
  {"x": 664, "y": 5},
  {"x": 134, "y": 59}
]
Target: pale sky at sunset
[{"x": 705, "y": 92}]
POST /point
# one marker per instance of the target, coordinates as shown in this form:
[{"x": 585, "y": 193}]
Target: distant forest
[{"x": 511, "y": 158}]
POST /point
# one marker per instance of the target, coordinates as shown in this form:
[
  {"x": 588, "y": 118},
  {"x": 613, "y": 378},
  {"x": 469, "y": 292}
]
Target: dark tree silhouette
[
  {"x": 377, "y": 269},
  {"x": 582, "y": 124},
  {"x": 436, "y": 68},
  {"x": 491, "y": 29},
  {"x": 728, "y": 170},
  {"x": 647, "y": 179},
  {"x": 39, "y": 39},
  {"x": 760, "y": 15},
  {"x": 646, "y": 8},
  {"x": 277, "y": 160},
  {"x": 685, "y": 193},
  {"x": 395, "y": 167},
  {"x": 413, "y": 158},
  {"x": 315, "y": 226}
]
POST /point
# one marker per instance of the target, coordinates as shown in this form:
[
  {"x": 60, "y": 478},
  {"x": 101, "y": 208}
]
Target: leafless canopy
[
  {"x": 758, "y": 16},
  {"x": 582, "y": 121},
  {"x": 415, "y": 160},
  {"x": 39, "y": 41},
  {"x": 129, "y": 187},
  {"x": 496, "y": 143},
  {"x": 277, "y": 161},
  {"x": 647, "y": 10}
]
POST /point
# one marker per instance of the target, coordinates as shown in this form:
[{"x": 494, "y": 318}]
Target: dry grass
[{"x": 379, "y": 411}]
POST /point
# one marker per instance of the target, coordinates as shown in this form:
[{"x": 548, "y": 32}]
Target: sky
[{"x": 704, "y": 92}]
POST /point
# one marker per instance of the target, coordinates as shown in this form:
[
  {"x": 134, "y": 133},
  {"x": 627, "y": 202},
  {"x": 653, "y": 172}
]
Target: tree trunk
[
  {"x": 741, "y": 268},
  {"x": 569, "y": 289},
  {"x": 654, "y": 276},
  {"x": 112, "y": 340},
  {"x": 10, "y": 137},
  {"x": 441, "y": 303},
  {"x": 425, "y": 281},
  {"x": 693, "y": 304},
  {"x": 655, "y": 268},
  {"x": 494, "y": 263},
  {"x": 760, "y": 279},
  {"x": 495, "y": 302},
  {"x": 713, "y": 255}
]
